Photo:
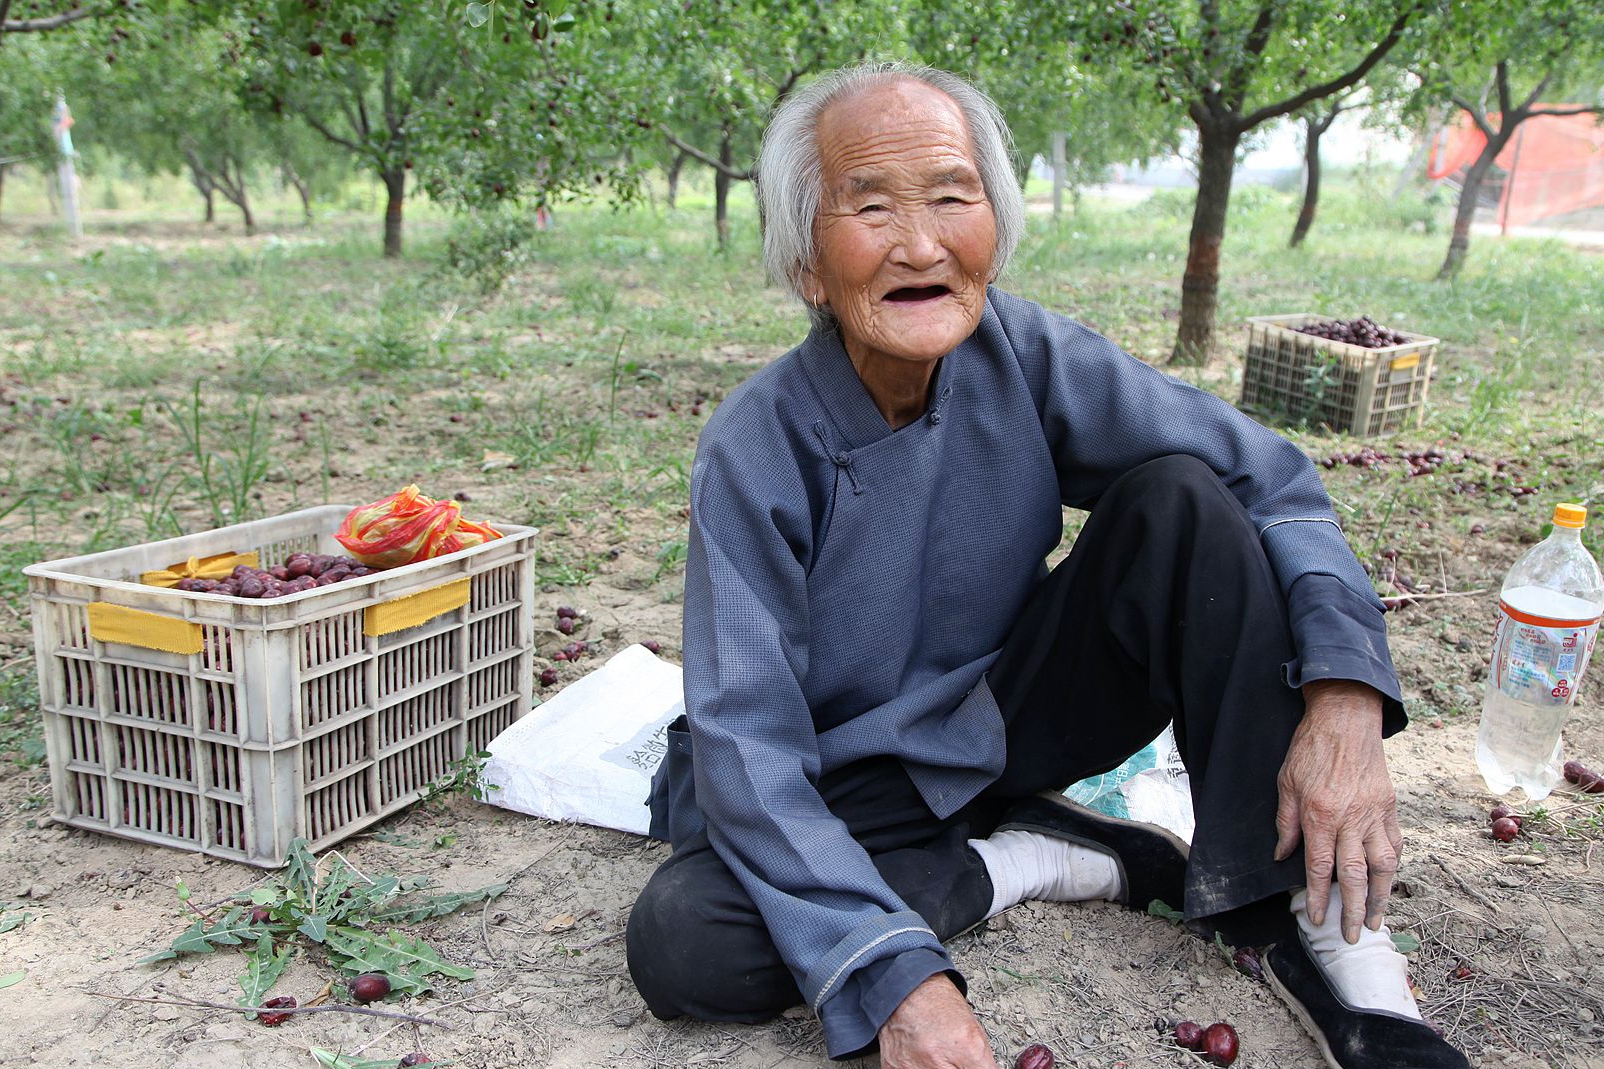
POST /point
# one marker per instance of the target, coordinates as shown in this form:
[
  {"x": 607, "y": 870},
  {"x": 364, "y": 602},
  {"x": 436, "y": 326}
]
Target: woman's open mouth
[{"x": 912, "y": 294}]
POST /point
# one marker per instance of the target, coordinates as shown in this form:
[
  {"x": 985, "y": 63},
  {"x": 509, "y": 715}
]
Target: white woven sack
[{"x": 588, "y": 754}]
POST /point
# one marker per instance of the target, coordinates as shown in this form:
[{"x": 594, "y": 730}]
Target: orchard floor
[{"x": 1090, "y": 981}]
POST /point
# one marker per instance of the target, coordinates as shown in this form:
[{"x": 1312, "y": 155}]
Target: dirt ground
[
  {"x": 1088, "y": 980},
  {"x": 1508, "y": 966}
]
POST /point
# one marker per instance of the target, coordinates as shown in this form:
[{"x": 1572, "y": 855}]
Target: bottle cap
[{"x": 1570, "y": 516}]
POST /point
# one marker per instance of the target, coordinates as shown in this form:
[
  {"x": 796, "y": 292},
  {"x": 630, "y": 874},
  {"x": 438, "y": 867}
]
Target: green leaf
[
  {"x": 262, "y": 970},
  {"x": 8, "y": 921},
  {"x": 330, "y": 1060},
  {"x": 1159, "y": 908},
  {"x": 265, "y": 896},
  {"x": 435, "y": 905},
  {"x": 315, "y": 927},
  {"x": 11, "y": 979},
  {"x": 199, "y": 938},
  {"x": 397, "y": 839},
  {"x": 300, "y": 872},
  {"x": 405, "y": 959},
  {"x": 1405, "y": 942},
  {"x": 478, "y": 15}
]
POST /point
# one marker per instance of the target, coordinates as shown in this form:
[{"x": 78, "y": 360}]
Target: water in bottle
[{"x": 1548, "y": 622}]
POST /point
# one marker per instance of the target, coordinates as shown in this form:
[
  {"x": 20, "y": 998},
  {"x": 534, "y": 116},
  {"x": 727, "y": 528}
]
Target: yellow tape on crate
[
  {"x": 148, "y": 630},
  {"x": 214, "y": 567},
  {"x": 414, "y": 609}
]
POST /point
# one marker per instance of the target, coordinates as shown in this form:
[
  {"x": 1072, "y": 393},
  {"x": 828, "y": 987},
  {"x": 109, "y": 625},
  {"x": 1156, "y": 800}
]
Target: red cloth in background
[{"x": 1554, "y": 164}]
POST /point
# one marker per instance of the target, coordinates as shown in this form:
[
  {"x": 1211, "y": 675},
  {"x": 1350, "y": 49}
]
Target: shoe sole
[
  {"x": 1292, "y": 1003},
  {"x": 1096, "y": 816}
]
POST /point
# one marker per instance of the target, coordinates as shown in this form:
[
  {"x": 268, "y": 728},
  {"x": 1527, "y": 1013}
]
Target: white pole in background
[
  {"x": 1059, "y": 176},
  {"x": 65, "y": 173}
]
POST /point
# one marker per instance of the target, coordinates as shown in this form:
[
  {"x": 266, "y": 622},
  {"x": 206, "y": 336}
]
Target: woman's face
[{"x": 905, "y": 233}]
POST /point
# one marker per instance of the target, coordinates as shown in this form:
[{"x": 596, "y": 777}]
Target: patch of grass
[
  {"x": 22, "y": 741},
  {"x": 594, "y": 351}
]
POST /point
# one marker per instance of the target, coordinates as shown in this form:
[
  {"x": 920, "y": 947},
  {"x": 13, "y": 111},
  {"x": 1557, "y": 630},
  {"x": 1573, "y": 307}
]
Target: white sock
[
  {"x": 1369, "y": 974},
  {"x": 1028, "y": 865}
]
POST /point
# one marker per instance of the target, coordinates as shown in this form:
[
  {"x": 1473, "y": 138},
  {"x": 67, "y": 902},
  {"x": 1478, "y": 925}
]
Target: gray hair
[{"x": 789, "y": 176}]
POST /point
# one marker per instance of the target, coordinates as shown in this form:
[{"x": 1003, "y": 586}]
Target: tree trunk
[
  {"x": 721, "y": 191},
  {"x": 1465, "y": 214},
  {"x": 244, "y": 204},
  {"x": 1201, "y": 283},
  {"x": 203, "y": 185},
  {"x": 3, "y": 167},
  {"x": 1312, "y": 129},
  {"x": 302, "y": 190},
  {"x": 230, "y": 181},
  {"x": 673, "y": 178},
  {"x": 395, "y": 185},
  {"x": 236, "y": 195}
]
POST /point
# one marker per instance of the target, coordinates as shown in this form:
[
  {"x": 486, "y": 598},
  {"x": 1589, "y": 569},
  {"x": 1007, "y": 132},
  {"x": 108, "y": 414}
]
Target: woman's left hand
[
  {"x": 934, "y": 1028},
  {"x": 1337, "y": 797}
]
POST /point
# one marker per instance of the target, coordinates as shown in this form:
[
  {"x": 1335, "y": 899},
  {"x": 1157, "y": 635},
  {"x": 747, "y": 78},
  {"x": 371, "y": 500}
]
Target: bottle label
[{"x": 1540, "y": 661}]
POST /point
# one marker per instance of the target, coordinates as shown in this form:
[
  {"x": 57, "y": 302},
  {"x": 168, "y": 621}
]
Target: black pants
[{"x": 1165, "y": 610}]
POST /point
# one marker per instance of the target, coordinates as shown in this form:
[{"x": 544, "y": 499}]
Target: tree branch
[
  {"x": 387, "y": 93},
  {"x": 1477, "y": 116},
  {"x": 785, "y": 87},
  {"x": 1325, "y": 89},
  {"x": 51, "y": 22},
  {"x": 366, "y": 127},
  {"x": 712, "y": 161},
  {"x": 1236, "y": 82},
  {"x": 317, "y": 124},
  {"x": 5, "y": 9},
  {"x": 1526, "y": 105},
  {"x": 1501, "y": 78},
  {"x": 1259, "y": 35},
  {"x": 198, "y": 166},
  {"x": 1580, "y": 109},
  {"x": 1324, "y": 124},
  {"x": 365, "y": 1011}
]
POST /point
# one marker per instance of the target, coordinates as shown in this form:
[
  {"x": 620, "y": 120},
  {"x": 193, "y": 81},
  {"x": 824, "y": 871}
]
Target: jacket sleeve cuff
[
  {"x": 1340, "y": 635},
  {"x": 853, "y": 1018}
]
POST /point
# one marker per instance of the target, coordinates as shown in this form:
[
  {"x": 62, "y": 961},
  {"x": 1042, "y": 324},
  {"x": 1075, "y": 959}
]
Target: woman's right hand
[{"x": 934, "y": 1028}]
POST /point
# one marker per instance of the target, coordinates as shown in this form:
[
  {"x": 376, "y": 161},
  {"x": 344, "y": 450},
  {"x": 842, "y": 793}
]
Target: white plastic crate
[{"x": 310, "y": 715}]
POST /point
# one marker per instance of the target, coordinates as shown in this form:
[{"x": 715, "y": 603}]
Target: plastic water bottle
[{"x": 1548, "y": 622}]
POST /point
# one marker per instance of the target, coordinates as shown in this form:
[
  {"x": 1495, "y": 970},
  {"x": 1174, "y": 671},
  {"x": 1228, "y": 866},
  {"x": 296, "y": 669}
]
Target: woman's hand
[
  {"x": 934, "y": 1028},
  {"x": 1337, "y": 797}
]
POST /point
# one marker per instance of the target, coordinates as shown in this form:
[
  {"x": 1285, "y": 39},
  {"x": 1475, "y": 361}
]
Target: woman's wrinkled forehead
[{"x": 893, "y": 131}]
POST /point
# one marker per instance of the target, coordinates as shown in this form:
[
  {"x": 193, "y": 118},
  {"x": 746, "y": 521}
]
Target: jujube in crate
[{"x": 300, "y": 571}]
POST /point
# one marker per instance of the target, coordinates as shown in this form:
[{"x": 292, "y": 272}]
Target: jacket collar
[{"x": 828, "y": 367}]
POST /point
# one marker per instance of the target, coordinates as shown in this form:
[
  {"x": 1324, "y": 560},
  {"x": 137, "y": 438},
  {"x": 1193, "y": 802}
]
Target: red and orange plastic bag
[{"x": 407, "y": 527}]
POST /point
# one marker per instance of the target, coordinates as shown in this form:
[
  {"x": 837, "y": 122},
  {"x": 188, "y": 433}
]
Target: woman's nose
[{"x": 919, "y": 245}]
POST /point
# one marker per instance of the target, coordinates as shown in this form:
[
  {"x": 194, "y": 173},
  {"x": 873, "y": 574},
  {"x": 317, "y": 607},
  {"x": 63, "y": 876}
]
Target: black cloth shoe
[
  {"x": 1349, "y": 1037},
  {"x": 1152, "y": 862}
]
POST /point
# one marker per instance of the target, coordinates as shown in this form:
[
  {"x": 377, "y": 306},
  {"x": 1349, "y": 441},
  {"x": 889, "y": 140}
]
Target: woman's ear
[{"x": 812, "y": 288}]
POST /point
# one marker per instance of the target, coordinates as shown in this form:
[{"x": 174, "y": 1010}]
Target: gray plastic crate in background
[
  {"x": 312, "y": 715},
  {"x": 1291, "y": 375}
]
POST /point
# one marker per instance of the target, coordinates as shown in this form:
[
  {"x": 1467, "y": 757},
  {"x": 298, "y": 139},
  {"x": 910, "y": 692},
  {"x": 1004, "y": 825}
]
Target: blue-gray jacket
[{"x": 848, "y": 586}]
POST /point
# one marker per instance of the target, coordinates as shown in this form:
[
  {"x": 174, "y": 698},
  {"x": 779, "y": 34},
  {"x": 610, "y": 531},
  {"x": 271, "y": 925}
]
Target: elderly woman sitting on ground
[{"x": 885, "y": 688}]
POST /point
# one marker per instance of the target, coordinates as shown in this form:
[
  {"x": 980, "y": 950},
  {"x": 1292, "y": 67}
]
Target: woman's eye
[{"x": 871, "y": 208}]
